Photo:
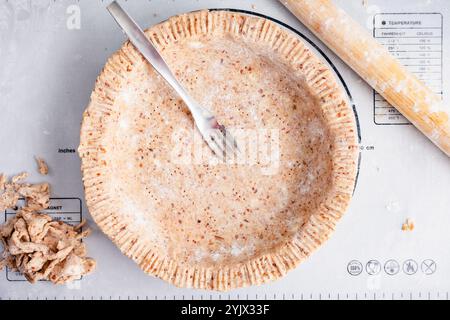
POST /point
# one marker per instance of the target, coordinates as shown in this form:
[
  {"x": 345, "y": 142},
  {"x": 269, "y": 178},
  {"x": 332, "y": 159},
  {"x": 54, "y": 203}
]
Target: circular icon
[
  {"x": 391, "y": 267},
  {"x": 373, "y": 267},
  {"x": 354, "y": 267},
  {"x": 428, "y": 266},
  {"x": 410, "y": 267}
]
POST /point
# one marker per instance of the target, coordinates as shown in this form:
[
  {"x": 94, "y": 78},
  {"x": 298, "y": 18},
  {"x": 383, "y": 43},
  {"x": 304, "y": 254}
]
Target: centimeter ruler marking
[{"x": 283, "y": 296}]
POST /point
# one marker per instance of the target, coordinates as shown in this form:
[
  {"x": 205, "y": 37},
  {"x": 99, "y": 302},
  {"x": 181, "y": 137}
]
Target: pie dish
[{"x": 212, "y": 225}]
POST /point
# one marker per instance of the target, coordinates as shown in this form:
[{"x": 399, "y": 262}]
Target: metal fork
[{"x": 216, "y": 136}]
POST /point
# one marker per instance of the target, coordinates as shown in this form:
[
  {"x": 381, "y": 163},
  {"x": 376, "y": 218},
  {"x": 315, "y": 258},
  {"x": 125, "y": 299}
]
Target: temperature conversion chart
[{"x": 416, "y": 40}]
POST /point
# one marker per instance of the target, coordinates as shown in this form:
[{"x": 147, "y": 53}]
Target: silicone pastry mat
[{"x": 52, "y": 52}]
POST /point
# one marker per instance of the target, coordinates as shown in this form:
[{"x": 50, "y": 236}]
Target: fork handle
[{"x": 148, "y": 50}]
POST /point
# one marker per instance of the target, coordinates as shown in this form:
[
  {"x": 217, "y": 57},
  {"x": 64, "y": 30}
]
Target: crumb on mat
[
  {"x": 408, "y": 225},
  {"x": 42, "y": 166},
  {"x": 35, "y": 244}
]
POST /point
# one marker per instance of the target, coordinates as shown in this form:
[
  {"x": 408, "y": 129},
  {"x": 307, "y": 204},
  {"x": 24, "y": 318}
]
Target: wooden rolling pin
[{"x": 373, "y": 62}]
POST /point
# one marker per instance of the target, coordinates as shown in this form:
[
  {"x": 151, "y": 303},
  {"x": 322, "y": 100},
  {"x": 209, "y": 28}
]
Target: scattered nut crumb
[
  {"x": 2, "y": 181},
  {"x": 408, "y": 225},
  {"x": 37, "y": 195},
  {"x": 253, "y": 6},
  {"x": 36, "y": 245},
  {"x": 42, "y": 166},
  {"x": 20, "y": 177}
]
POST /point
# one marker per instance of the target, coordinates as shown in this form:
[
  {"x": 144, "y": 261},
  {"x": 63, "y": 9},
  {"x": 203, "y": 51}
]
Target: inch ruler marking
[{"x": 319, "y": 296}]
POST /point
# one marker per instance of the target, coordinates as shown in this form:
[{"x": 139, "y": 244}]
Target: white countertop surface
[{"x": 49, "y": 65}]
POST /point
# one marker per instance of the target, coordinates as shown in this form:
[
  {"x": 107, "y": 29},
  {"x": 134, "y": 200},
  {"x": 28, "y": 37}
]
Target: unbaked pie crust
[{"x": 218, "y": 226}]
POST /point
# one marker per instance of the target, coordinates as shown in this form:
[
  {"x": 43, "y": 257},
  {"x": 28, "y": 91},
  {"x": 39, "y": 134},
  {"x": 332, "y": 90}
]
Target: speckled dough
[{"x": 218, "y": 226}]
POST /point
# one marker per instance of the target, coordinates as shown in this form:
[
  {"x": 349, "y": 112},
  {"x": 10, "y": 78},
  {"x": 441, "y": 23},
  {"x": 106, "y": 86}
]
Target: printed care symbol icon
[
  {"x": 391, "y": 267},
  {"x": 428, "y": 266},
  {"x": 354, "y": 267},
  {"x": 410, "y": 267},
  {"x": 373, "y": 267}
]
